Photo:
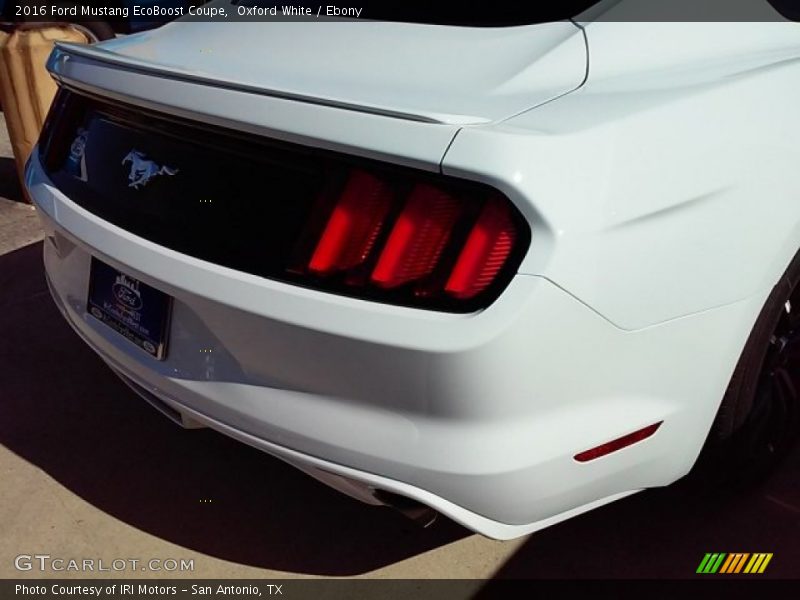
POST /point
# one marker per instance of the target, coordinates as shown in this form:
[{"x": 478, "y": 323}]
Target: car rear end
[{"x": 304, "y": 277}]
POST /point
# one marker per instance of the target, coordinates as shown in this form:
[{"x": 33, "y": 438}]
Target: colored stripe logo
[{"x": 734, "y": 562}]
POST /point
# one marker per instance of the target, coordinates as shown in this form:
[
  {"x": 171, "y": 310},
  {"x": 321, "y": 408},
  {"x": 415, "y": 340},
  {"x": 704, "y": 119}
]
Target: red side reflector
[
  {"x": 486, "y": 250},
  {"x": 617, "y": 444},
  {"x": 418, "y": 237},
  {"x": 354, "y": 224}
]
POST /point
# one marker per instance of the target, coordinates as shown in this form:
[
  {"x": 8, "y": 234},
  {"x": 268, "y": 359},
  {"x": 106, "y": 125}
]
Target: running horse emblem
[{"x": 143, "y": 170}]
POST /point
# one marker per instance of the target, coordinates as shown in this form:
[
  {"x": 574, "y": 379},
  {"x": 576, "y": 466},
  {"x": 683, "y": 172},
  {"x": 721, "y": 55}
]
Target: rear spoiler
[{"x": 63, "y": 52}]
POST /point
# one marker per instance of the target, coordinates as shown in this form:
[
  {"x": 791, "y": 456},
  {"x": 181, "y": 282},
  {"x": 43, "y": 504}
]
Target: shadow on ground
[
  {"x": 64, "y": 411},
  {"x": 665, "y": 533}
]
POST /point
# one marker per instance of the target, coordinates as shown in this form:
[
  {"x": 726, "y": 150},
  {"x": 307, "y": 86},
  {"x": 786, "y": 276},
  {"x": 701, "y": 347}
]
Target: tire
[{"x": 758, "y": 421}]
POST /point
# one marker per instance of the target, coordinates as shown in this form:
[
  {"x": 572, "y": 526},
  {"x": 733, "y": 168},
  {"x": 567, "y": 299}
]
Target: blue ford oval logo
[{"x": 126, "y": 290}]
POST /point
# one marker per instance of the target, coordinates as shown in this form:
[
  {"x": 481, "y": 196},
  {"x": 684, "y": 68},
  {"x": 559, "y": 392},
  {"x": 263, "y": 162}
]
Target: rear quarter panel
[{"x": 668, "y": 184}]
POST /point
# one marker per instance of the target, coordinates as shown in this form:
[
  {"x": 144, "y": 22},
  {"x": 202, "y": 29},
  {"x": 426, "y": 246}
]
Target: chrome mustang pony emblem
[{"x": 143, "y": 170}]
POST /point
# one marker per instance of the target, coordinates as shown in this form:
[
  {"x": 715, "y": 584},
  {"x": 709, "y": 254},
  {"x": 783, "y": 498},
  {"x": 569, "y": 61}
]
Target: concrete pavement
[{"x": 19, "y": 225}]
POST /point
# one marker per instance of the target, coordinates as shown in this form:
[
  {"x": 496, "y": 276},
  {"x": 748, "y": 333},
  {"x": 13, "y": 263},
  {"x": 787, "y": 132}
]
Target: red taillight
[
  {"x": 431, "y": 243},
  {"x": 618, "y": 444},
  {"x": 354, "y": 224},
  {"x": 417, "y": 238},
  {"x": 488, "y": 246}
]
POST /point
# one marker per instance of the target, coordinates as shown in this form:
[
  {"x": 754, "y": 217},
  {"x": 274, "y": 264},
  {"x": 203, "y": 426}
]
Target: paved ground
[
  {"x": 19, "y": 225},
  {"x": 87, "y": 470}
]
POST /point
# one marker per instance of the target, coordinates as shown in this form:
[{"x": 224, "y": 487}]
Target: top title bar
[{"x": 466, "y": 13}]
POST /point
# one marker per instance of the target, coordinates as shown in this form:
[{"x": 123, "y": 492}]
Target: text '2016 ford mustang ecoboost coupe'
[{"x": 508, "y": 272}]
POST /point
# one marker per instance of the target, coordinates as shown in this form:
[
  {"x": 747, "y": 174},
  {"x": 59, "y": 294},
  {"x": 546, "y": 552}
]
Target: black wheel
[{"x": 759, "y": 419}]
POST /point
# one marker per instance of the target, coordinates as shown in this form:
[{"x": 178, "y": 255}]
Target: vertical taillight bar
[
  {"x": 354, "y": 224},
  {"x": 417, "y": 238},
  {"x": 487, "y": 248}
]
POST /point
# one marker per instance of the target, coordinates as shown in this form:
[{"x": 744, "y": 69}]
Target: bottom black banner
[{"x": 389, "y": 589}]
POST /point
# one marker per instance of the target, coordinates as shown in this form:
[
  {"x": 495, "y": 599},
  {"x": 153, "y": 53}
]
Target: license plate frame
[{"x": 136, "y": 311}]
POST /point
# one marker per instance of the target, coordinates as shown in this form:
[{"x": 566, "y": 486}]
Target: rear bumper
[{"x": 477, "y": 416}]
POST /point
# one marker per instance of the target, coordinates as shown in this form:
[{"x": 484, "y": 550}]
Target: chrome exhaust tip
[{"x": 421, "y": 514}]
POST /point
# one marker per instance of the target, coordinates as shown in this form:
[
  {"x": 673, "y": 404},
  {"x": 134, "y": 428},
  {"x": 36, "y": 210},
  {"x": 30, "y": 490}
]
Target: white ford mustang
[{"x": 507, "y": 273}]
